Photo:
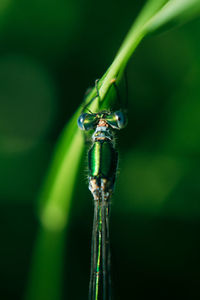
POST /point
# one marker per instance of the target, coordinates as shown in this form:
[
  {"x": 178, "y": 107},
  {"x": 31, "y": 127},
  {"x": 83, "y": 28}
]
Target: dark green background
[{"x": 51, "y": 51}]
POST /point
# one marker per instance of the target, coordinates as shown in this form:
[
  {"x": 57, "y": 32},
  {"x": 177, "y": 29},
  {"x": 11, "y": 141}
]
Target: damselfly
[{"x": 102, "y": 166}]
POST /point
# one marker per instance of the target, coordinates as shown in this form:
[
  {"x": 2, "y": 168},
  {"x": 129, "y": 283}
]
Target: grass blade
[{"x": 173, "y": 13}]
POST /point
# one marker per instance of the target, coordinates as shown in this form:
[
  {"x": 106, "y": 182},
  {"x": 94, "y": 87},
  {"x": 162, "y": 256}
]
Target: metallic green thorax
[{"x": 102, "y": 159}]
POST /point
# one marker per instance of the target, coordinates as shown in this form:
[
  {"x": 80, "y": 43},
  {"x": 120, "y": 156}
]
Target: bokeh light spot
[{"x": 28, "y": 103}]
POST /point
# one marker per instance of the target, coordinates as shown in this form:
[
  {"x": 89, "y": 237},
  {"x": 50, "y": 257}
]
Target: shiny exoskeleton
[{"x": 102, "y": 167}]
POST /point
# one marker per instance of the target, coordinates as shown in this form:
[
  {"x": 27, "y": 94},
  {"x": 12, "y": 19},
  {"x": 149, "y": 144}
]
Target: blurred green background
[{"x": 51, "y": 51}]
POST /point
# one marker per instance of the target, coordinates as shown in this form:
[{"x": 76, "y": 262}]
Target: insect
[{"x": 102, "y": 167}]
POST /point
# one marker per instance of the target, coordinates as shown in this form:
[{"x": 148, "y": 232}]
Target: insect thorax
[{"x": 102, "y": 132}]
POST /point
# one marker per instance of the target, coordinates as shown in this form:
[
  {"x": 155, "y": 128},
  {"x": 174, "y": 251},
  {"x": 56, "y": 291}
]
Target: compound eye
[
  {"x": 86, "y": 121},
  {"x": 121, "y": 119},
  {"x": 117, "y": 120}
]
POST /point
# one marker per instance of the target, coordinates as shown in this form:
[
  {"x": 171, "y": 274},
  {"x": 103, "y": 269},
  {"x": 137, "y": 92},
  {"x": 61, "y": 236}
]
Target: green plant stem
[
  {"x": 155, "y": 15},
  {"x": 135, "y": 35},
  {"x": 120, "y": 62},
  {"x": 47, "y": 266}
]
